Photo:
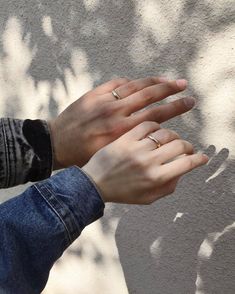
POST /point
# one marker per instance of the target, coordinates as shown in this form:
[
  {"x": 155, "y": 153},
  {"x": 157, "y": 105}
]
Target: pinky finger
[{"x": 182, "y": 166}]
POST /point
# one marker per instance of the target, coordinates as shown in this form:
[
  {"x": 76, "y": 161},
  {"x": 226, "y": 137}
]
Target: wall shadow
[{"x": 160, "y": 254}]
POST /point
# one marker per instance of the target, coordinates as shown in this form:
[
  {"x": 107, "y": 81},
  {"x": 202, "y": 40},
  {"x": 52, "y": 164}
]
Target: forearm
[
  {"x": 25, "y": 151},
  {"x": 38, "y": 225}
]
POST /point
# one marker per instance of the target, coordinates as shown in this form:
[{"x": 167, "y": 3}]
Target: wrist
[
  {"x": 55, "y": 145},
  {"x": 95, "y": 181}
]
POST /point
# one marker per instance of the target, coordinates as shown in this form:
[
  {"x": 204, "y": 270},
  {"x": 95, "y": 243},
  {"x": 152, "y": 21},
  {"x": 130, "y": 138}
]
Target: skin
[
  {"x": 98, "y": 118},
  {"x": 131, "y": 170}
]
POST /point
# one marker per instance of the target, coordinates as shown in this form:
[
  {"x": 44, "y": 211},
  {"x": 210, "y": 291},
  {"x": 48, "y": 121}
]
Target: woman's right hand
[{"x": 133, "y": 170}]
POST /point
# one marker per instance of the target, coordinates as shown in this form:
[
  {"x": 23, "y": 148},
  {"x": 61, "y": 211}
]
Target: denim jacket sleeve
[
  {"x": 25, "y": 151},
  {"x": 38, "y": 225}
]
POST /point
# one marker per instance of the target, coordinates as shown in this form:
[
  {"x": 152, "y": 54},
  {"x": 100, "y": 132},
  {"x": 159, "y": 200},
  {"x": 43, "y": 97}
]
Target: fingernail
[
  {"x": 205, "y": 157},
  {"x": 189, "y": 102},
  {"x": 181, "y": 84}
]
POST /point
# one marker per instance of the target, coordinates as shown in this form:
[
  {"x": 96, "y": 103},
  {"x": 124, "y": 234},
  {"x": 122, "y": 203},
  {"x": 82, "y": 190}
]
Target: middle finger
[
  {"x": 163, "y": 136},
  {"x": 151, "y": 94}
]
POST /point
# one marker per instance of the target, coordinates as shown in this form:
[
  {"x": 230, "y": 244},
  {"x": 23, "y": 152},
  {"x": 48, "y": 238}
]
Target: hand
[
  {"x": 132, "y": 170},
  {"x": 98, "y": 118}
]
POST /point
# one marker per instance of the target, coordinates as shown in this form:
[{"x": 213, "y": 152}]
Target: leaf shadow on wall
[
  {"x": 160, "y": 254},
  {"x": 172, "y": 264},
  {"x": 54, "y": 31}
]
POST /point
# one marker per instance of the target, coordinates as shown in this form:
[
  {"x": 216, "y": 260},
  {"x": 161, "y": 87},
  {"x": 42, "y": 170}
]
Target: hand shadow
[
  {"x": 222, "y": 259},
  {"x": 158, "y": 250}
]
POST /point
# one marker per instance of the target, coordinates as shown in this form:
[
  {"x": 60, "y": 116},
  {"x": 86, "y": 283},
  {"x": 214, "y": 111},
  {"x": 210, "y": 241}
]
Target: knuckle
[
  {"x": 190, "y": 163},
  {"x": 143, "y": 166},
  {"x": 175, "y": 134},
  {"x": 150, "y": 176},
  {"x": 108, "y": 128},
  {"x": 132, "y": 86},
  {"x": 116, "y": 82},
  {"x": 115, "y": 127},
  {"x": 168, "y": 135},
  {"x": 137, "y": 163},
  {"x": 124, "y": 80},
  {"x": 107, "y": 110},
  {"x": 171, "y": 86},
  {"x": 145, "y": 93},
  {"x": 160, "y": 178},
  {"x": 110, "y": 125},
  {"x": 182, "y": 145},
  {"x": 188, "y": 146},
  {"x": 151, "y": 80},
  {"x": 149, "y": 124}
]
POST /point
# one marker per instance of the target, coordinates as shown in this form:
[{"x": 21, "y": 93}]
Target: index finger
[{"x": 134, "y": 86}]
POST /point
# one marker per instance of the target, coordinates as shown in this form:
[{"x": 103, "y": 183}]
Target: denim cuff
[
  {"x": 73, "y": 198},
  {"x": 25, "y": 151}
]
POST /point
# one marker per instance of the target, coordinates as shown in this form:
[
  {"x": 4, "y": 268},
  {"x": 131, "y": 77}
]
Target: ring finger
[
  {"x": 136, "y": 85},
  {"x": 160, "y": 137}
]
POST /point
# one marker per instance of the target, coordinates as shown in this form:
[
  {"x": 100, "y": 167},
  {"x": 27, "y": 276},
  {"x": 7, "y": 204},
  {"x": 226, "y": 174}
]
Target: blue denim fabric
[{"x": 38, "y": 225}]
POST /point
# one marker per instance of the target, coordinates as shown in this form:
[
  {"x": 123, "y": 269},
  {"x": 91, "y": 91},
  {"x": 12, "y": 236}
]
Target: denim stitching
[{"x": 53, "y": 208}]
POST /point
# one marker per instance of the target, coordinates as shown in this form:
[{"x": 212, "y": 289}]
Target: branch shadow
[
  {"x": 160, "y": 255},
  {"x": 171, "y": 266}
]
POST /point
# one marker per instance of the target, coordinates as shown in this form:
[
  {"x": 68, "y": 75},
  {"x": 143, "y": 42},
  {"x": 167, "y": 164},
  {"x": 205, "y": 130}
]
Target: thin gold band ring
[
  {"x": 158, "y": 143},
  {"x": 115, "y": 94}
]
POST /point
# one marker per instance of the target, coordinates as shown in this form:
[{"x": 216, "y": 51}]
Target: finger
[
  {"x": 165, "y": 112},
  {"x": 166, "y": 189},
  {"x": 163, "y": 136},
  {"x": 171, "y": 150},
  {"x": 110, "y": 86},
  {"x": 181, "y": 166},
  {"x": 142, "y": 130},
  {"x": 151, "y": 95},
  {"x": 134, "y": 86}
]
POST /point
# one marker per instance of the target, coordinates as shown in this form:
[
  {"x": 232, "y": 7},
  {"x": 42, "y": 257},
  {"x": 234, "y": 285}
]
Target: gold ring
[
  {"x": 155, "y": 141},
  {"x": 115, "y": 94}
]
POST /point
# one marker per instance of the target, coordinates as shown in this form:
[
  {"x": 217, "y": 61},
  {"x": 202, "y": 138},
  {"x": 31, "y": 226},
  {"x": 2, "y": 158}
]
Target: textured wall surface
[{"x": 51, "y": 52}]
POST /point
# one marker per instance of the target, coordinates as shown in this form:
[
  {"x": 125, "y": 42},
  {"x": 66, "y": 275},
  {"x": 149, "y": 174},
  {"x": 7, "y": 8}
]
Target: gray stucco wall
[{"x": 51, "y": 52}]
